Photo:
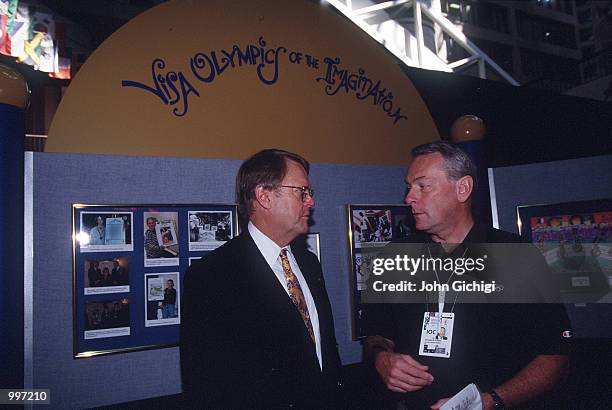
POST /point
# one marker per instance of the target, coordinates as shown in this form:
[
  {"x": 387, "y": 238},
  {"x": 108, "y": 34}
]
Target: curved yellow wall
[{"x": 231, "y": 110}]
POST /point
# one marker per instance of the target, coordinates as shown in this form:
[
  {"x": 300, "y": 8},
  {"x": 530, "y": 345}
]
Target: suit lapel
[
  {"x": 268, "y": 289},
  {"x": 313, "y": 280}
]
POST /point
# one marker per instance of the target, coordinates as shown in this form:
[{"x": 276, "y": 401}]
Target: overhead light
[{"x": 454, "y": 6}]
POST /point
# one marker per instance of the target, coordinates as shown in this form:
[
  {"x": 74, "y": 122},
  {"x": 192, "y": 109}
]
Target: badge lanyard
[{"x": 442, "y": 293}]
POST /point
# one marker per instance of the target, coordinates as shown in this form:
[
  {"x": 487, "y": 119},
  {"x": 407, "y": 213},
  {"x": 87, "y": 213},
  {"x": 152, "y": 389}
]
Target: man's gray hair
[{"x": 457, "y": 162}]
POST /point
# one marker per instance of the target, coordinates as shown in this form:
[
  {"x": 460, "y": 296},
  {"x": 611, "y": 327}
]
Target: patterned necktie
[{"x": 295, "y": 293}]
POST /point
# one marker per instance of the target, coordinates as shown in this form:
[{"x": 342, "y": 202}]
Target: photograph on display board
[
  {"x": 162, "y": 299},
  {"x": 193, "y": 259},
  {"x": 209, "y": 229},
  {"x": 108, "y": 318},
  {"x": 106, "y": 276},
  {"x": 105, "y": 231},
  {"x": 372, "y": 227},
  {"x": 161, "y": 239},
  {"x": 363, "y": 269},
  {"x": 313, "y": 244},
  {"x": 575, "y": 238}
]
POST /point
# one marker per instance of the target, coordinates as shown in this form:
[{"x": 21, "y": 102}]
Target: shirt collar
[
  {"x": 478, "y": 233},
  {"x": 268, "y": 248}
]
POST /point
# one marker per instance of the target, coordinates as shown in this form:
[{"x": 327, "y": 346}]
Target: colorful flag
[
  {"x": 8, "y": 8},
  {"x": 63, "y": 72},
  {"x": 39, "y": 50},
  {"x": 19, "y": 30},
  {"x": 64, "y": 54}
]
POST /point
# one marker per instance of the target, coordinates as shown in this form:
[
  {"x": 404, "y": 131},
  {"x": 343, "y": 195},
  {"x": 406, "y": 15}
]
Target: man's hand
[{"x": 401, "y": 373}]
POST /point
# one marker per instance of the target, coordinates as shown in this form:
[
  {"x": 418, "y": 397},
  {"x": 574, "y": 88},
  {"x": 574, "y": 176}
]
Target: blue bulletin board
[{"x": 128, "y": 267}]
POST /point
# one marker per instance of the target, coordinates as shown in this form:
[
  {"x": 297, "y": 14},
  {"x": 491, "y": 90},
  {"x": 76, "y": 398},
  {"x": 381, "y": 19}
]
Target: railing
[
  {"x": 554, "y": 85},
  {"x": 591, "y": 68},
  {"x": 597, "y": 66}
]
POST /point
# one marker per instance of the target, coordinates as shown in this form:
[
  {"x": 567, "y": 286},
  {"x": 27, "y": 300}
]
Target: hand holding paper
[{"x": 467, "y": 399}]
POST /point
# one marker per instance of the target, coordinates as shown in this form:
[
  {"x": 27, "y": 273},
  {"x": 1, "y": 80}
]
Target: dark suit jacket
[{"x": 243, "y": 342}]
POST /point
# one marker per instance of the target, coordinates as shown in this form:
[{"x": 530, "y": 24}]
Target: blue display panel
[{"x": 128, "y": 267}]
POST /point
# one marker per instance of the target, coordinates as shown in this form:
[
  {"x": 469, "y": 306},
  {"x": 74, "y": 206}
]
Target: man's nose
[
  {"x": 309, "y": 201},
  {"x": 410, "y": 197}
]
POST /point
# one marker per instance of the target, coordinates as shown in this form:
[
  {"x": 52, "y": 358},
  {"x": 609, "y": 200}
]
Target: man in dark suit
[{"x": 257, "y": 328}]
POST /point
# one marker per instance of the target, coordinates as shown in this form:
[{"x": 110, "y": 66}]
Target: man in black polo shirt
[{"x": 514, "y": 352}]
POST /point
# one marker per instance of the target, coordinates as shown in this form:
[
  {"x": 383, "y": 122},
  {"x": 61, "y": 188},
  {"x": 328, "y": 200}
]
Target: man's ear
[
  {"x": 465, "y": 187},
  {"x": 262, "y": 196}
]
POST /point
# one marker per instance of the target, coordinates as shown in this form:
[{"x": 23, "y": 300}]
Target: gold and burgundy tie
[{"x": 295, "y": 293}]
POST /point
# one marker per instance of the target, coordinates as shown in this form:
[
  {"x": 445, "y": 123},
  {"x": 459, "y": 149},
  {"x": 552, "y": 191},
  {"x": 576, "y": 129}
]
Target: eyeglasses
[{"x": 306, "y": 191}]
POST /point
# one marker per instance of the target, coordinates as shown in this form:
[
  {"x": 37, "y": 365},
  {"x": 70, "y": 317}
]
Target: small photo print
[
  {"x": 161, "y": 239},
  {"x": 371, "y": 227},
  {"x": 106, "y": 231},
  {"x": 363, "y": 269},
  {"x": 106, "y": 276},
  {"x": 162, "y": 299},
  {"x": 109, "y": 318},
  {"x": 209, "y": 229}
]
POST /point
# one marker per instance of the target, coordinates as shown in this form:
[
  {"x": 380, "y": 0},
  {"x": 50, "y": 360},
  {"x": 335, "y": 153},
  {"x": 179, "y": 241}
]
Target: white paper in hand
[{"x": 466, "y": 399}]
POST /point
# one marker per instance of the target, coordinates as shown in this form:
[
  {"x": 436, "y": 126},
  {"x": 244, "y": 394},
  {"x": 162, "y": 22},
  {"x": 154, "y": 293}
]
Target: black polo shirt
[{"x": 490, "y": 342}]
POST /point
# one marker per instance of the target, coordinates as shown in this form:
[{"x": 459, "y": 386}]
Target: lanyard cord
[{"x": 441, "y": 294}]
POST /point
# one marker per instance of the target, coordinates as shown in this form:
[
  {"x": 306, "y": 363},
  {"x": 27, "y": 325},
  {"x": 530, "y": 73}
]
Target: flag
[
  {"x": 19, "y": 29},
  {"x": 63, "y": 72},
  {"x": 8, "y": 8},
  {"x": 39, "y": 50},
  {"x": 64, "y": 54}
]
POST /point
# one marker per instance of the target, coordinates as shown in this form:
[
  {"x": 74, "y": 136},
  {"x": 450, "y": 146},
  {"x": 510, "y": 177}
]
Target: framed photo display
[
  {"x": 576, "y": 241},
  {"x": 371, "y": 226},
  {"x": 128, "y": 266}
]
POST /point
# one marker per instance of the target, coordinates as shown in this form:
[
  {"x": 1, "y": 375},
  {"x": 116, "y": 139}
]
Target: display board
[
  {"x": 576, "y": 241},
  {"x": 558, "y": 182},
  {"x": 128, "y": 266},
  {"x": 371, "y": 226}
]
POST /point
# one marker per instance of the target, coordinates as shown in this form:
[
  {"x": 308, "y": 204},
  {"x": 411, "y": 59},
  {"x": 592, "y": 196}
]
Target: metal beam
[
  {"x": 380, "y": 7},
  {"x": 463, "y": 62},
  {"x": 418, "y": 31},
  {"x": 463, "y": 41},
  {"x": 373, "y": 33}
]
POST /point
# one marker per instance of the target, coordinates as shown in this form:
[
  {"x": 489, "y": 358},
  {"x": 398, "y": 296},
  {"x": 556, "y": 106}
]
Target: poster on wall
[
  {"x": 371, "y": 227},
  {"x": 575, "y": 238},
  {"x": 128, "y": 267}
]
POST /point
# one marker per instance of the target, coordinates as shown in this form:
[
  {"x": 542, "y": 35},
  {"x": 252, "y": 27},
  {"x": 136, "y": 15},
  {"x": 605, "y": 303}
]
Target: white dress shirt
[{"x": 271, "y": 253}]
